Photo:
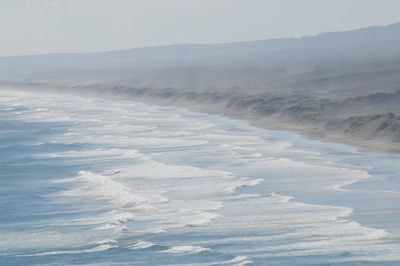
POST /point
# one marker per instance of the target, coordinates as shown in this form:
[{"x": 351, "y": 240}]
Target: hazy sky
[{"x": 47, "y": 26}]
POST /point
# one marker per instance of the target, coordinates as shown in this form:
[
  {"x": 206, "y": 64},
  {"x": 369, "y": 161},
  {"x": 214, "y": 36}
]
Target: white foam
[
  {"x": 185, "y": 249},
  {"x": 243, "y": 196},
  {"x": 113, "y": 226},
  {"x": 233, "y": 186},
  {"x": 237, "y": 259},
  {"x": 98, "y": 248},
  {"x": 107, "y": 241},
  {"x": 163, "y": 182},
  {"x": 199, "y": 219},
  {"x": 142, "y": 245},
  {"x": 280, "y": 198},
  {"x": 159, "y": 170},
  {"x": 99, "y": 154},
  {"x": 101, "y": 186}
]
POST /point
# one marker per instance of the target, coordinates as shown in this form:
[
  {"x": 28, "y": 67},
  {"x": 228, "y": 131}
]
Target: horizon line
[{"x": 197, "y": 44}]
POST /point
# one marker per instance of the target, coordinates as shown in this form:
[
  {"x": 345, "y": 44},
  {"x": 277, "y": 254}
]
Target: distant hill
[
  {"x": 372, "y": 38},
  {"x": 341, "y": 85}
]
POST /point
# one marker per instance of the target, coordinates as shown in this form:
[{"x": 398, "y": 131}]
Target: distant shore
[
  {"x": 365, "y": 138},
  {"x": 264, "y": 111},
  {"x": 340, "y": 86},
  {"x": 269, "y": 123}
]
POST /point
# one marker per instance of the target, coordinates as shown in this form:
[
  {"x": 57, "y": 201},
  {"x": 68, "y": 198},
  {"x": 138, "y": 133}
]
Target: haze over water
[{"x": 89, "y": 181}]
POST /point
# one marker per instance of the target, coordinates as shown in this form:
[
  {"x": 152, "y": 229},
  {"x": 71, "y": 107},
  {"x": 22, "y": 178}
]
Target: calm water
[{"x": 92, "y": 181}]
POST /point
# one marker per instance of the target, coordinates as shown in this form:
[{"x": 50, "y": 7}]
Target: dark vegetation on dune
[{"x": 344, "y": 83}]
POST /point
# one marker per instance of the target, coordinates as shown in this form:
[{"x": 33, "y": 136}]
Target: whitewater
[{"x": 91, "y": 181}]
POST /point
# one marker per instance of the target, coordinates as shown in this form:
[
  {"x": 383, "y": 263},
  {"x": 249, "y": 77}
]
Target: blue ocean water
[{"x": 88, "y": 181}]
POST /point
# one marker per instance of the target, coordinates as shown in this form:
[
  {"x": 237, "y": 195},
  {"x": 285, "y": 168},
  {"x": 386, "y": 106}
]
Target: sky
[{"x": 52, "y": 26}]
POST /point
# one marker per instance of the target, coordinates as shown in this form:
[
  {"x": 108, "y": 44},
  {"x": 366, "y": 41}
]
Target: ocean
[{"x": 90, "y": 181}]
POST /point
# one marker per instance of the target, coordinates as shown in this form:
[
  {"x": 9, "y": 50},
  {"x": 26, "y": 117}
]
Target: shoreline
[
  {"x": 198, "y": 103},
  {"x": 237, "y": 106},
  {"x": 271, "y": 123},
  {"x": 365, "y": 146}
]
